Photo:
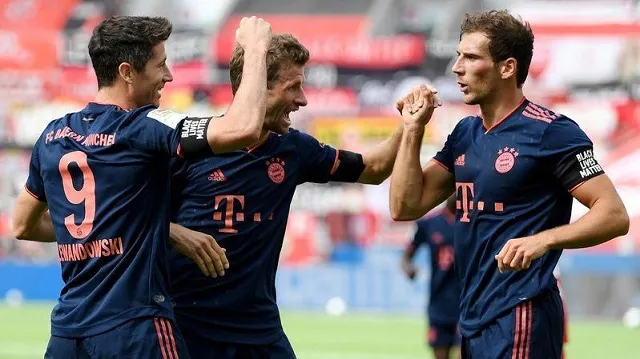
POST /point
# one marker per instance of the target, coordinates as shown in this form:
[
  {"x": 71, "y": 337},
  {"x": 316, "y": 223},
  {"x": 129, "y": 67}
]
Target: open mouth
[
  {"x": 287, "y": 117},
  {"x": 463, "y": 87}
]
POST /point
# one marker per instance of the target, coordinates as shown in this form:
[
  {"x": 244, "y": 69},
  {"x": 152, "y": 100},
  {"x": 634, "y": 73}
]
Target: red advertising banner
[{"x": 335, "y": 40}]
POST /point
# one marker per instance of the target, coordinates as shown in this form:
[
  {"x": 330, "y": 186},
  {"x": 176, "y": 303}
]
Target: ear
[
  {"x": 508, "y": 68},
  {"x": 126, "y": 72}
]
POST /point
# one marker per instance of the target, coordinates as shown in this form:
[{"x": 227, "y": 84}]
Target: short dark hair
[
  {"x": 508, "y": 37},
  {"x": 121, "y": 39},
  {"x": 284, "y": 50}
]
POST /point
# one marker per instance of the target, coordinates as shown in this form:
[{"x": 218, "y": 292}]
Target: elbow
[
  {"x": 20, "y": 232},
  {"x": 250, "y": 135},
  {"x": 401, "y": 212},
  {"x": 233, "y": 141},
  {"x": 623, "y": 222}
]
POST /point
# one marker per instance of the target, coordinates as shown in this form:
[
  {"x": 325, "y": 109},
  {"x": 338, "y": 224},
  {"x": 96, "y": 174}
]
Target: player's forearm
[
  {"x": 605, "y": 220},
  {"x": 409, "y": 253},
  {"x": 242, "y": 124},
  {"x": 39, "y": 231},
  {"x": 379, "y": 161},
  {"x": 406, "y": 180}
]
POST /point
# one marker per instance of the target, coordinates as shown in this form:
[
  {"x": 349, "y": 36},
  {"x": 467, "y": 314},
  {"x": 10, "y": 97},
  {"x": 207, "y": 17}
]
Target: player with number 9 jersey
[
  {"x": 107, "y": 229},
  {"x": 104, "y": 175}
]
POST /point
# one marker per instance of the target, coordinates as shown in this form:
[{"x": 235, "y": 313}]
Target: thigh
[
  {"x": 280, "y": 349},
  {"x": 531, "y": 330},
  {"x": 547, "y": 327},
  {"x": 62, "y": 348},
  {"x": 142, "y": 338},
  {"x": 200, "y": 347}
]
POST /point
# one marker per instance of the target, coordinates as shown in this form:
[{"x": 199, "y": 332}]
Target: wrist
[
  {"x": 414, "y": 127},
  {"x": 549, "y": 241},
  {"x": 255, "y": 52}
]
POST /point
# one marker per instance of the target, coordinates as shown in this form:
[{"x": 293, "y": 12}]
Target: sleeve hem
[
  {"x": 441, "y": 164},
  {"x": 33, "y": 194}
]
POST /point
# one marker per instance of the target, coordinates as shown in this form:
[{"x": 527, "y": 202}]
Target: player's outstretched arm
[
  {"x": 414, "y": 191},
  {"x": 242, "y": 124},
  {"x": 606, "y": 219},
  {"x": 31, "y": 219},
  {"x": 378, "y": 162}
]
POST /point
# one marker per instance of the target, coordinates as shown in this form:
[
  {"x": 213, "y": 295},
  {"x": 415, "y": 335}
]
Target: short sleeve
[
  {"x": 445, "y": 157},
  {"x": 158, "y": 131},
  {"x": 317, "y": 160},
  {"x": 569, "y": 153},
  {"x": 35, "y": 183}
]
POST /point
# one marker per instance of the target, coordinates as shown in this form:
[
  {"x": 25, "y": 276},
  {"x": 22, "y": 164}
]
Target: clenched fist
[
  {"x": 418, "y": 105},
  {"x": 253, "y": 33}
]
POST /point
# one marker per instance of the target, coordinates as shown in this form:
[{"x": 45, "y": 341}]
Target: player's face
[
  {"x": 285, "y": 96},
  {"x": 148, "y": 84},
  {"x": 476, "y": 72}
]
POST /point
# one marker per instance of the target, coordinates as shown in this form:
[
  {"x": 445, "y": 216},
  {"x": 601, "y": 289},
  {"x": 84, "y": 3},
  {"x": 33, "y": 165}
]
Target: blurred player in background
[
  {"x": 444, "y": 292},
  {"x": 514, "y": 170},
  {"x": 103, "y": 173},
  {"x": 242, "y": 199}
]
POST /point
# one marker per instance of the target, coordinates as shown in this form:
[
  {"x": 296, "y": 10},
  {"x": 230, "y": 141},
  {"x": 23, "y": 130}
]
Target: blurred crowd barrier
[{"x": 586, "y": 65}]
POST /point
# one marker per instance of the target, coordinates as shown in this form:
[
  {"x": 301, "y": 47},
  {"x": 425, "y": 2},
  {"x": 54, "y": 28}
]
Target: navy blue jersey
[
  {"x": 104, "y": 173},
  {"x": 513, "y": 180},
  {"x": 242, "y": 199},
  {"x": 444, "y": 293}
]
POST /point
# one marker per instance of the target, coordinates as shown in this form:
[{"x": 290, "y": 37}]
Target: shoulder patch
[{"x": 167, "y": 117}]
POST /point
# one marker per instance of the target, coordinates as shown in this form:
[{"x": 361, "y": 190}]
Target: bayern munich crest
[
  {"x": 275, "y": 170},
  {"x": 506, "y": 159}
]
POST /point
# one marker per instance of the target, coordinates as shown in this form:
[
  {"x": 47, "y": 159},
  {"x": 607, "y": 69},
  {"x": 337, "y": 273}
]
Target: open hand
[
  {"x": 201, "y": 248},
  {"x": 518, "y": 253}
]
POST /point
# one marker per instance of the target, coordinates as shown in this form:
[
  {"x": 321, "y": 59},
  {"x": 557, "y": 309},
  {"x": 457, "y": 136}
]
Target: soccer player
[
  {"x": 514, "y": 170},
  {"x": 242, "y": 199},
  {"x": 444, "y": 293},
  {"x": 103, "y": 174}
]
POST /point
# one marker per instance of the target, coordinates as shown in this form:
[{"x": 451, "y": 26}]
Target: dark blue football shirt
[
  {"x": 104, "y": 173},
  {"x": 242, "y": 199},
  {"x": 444, "y": 293},
  {"x": 513, "y": 180}
]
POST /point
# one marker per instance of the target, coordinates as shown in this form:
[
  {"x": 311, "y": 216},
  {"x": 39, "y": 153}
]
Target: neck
[
  {"x": 114, "y": 96},
  {"x": 502, "y": 104},
  {"x": 263, "y": 134}
]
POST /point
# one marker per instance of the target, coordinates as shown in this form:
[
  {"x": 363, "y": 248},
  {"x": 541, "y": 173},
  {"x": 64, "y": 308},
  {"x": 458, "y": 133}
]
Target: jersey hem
[{"x": 102, "y": 327}]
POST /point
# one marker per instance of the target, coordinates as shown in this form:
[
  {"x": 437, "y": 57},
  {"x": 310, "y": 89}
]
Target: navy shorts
[
  {"x": 532, "y": 330},
  {"x": 202, "y": 349},
  {"x": 443, "y": 335},
  {"x": 142, "y": 338}
]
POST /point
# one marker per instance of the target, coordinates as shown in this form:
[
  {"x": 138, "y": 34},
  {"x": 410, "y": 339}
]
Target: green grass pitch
[{"x": 24, "y": 332}]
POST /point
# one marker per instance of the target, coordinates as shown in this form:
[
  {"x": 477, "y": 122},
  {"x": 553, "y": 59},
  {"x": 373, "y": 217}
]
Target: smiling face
[
  {"x": 286, "y": 95},
  {"x": 146, "y": 85},
  {"x": 476, "y": 72}
]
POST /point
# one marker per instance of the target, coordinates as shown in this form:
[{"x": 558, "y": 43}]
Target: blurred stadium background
[{"x": 340, "y": 287}]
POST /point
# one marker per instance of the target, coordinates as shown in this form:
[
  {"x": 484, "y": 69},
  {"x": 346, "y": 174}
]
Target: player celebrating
[
  {"x": 444, "y": 292},
  {"x": 514, "y": 170},
  {"x": 243, "y": 200},
  {"x": 103, "y": 173}
]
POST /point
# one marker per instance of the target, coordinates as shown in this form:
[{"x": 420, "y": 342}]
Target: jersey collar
[{"x": 512, "y": 112}]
